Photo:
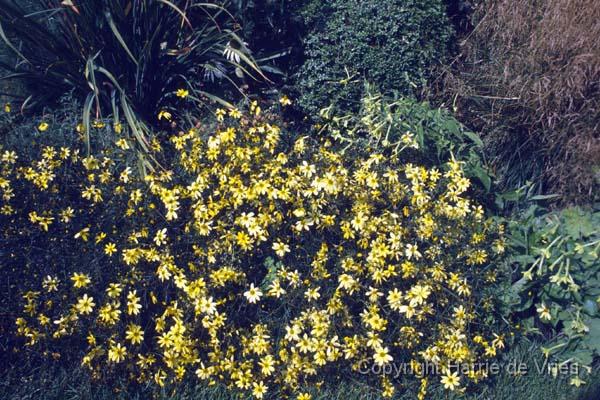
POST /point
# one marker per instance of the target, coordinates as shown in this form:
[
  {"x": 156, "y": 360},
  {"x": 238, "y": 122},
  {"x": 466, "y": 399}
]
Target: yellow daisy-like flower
[
  {"x": 110, "y": 249},
  {"x": 7, "y": 108},
  {"x": 134, "y": 334},
  {"x": 117, "y": 353},
  {"x": 259, "y": 389},
  {"x": 281, "y": 248},
  {"x": 544, "y": 312},
  {"x": 451, "y": 380},
  {"x": 85, "y": 304},
  {"x": 122, "y": 144},
  {"x": 381, "y": 356},
  {"x": 235, "y": 113},
  {"x": 253, "y": 294},
  {"x": 220, "y": 114},
  {"x": 80, "y": 280},
  {"x": 133, "y": 305},
  {"x": 43, "y": 126},
  {"x": 161, "y": 237},
  {"x": 183, "y": 93},
  {"x": 114, "y": 290}
]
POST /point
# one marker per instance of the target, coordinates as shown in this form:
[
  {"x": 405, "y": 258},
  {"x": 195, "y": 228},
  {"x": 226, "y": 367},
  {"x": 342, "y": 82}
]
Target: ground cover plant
[
  {"x": 304, "y": 200},
  {"x": 252, "y": 263}
]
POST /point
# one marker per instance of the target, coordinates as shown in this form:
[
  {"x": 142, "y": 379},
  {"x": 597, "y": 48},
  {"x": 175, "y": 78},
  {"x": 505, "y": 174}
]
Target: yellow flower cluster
[{"x": 259, "y": 262}]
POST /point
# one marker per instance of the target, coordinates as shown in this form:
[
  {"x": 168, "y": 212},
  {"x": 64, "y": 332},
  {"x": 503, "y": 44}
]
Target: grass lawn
[{"x": 55, "y": 382}]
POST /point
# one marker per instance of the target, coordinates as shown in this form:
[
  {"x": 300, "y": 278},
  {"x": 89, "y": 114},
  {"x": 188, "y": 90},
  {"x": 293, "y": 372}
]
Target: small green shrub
[
  {"x": 555, "y": 289},
  {"x": 392, "y": 43}
]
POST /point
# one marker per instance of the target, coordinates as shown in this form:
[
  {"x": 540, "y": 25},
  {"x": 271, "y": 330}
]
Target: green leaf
[
  {"x": 474, "y": 137},
  {"x": 117, "y": 34},
  {"x": 543, "y": 197},
  {"x": 483, "y": 176},
  {"x": 593, "y": 336}
]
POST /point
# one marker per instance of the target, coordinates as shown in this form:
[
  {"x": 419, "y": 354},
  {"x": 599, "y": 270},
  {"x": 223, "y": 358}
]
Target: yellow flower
[
  {"x": 267, "y": 365},
  {"x": 381, "y": 356},
  {"x": 418, "y": 294},
  {"x": 122, "y": 144},
  {"x": 114, "y": 290},
  {"x": 110, "y": 249},
  {"x": 134, "y": 334},
  {"x": 183, "y": 93},
  {"x": 281, "y": 248},
  {"x": 117, "y": 353},
  {"x": 285, "y": 101},
  {"x": 220, "y": 113},
  {"x": 7, "y": 108},
  {"x": 235, "y": 113},
  {"x": 85, "y": 304},
  {"x": 133, "y": 305},
  {"x": 50, "y": 283},
  {"x": 412, "y": 251},
  {"x": 253, "y": 294},
  {"x": 451, "y": 380},
  {"x": 304, "y": 396},
  {"x": 312, "y": 294},
  {"x": 259, "y": 389},
  {"x": 161, "y": 237},
  {"x": 91, "y": 339},
  {"x": 544, "y": 312},
  {"x": 163, "y": 114},
  {"x": 80, "y": 280},
  {"x": 43, "y": 126},
  {"x": 83, "y": 234}
]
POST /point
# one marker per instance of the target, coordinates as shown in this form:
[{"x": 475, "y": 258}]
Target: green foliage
[
  {"x": 392, "y": 43},
  {"x": 274, "y": 30},
  {"x": 397, "y": 124},
  {"x": 556, "y": 279},
  {"x": 123, "y": 57}
]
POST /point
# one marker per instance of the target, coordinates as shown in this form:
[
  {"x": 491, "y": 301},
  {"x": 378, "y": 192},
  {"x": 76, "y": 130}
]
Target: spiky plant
[{"x": 124, "y": 57}]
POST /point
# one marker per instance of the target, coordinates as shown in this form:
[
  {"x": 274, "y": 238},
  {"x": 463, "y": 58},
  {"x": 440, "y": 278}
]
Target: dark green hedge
[{"x": 393, "y": 43}]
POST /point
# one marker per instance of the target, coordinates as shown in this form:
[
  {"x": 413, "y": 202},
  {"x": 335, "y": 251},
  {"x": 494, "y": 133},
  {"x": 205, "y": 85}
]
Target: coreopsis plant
[{"x": 267, "y": 265}]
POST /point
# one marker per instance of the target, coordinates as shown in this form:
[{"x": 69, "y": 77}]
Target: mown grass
[{"x": 52, "y": 381}]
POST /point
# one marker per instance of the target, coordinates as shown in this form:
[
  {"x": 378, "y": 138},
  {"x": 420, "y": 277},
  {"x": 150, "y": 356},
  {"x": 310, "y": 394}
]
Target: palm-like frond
[{"x": 130, "y": 55}]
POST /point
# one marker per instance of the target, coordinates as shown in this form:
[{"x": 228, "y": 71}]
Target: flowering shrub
[{"x": 264, "y": 265}]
